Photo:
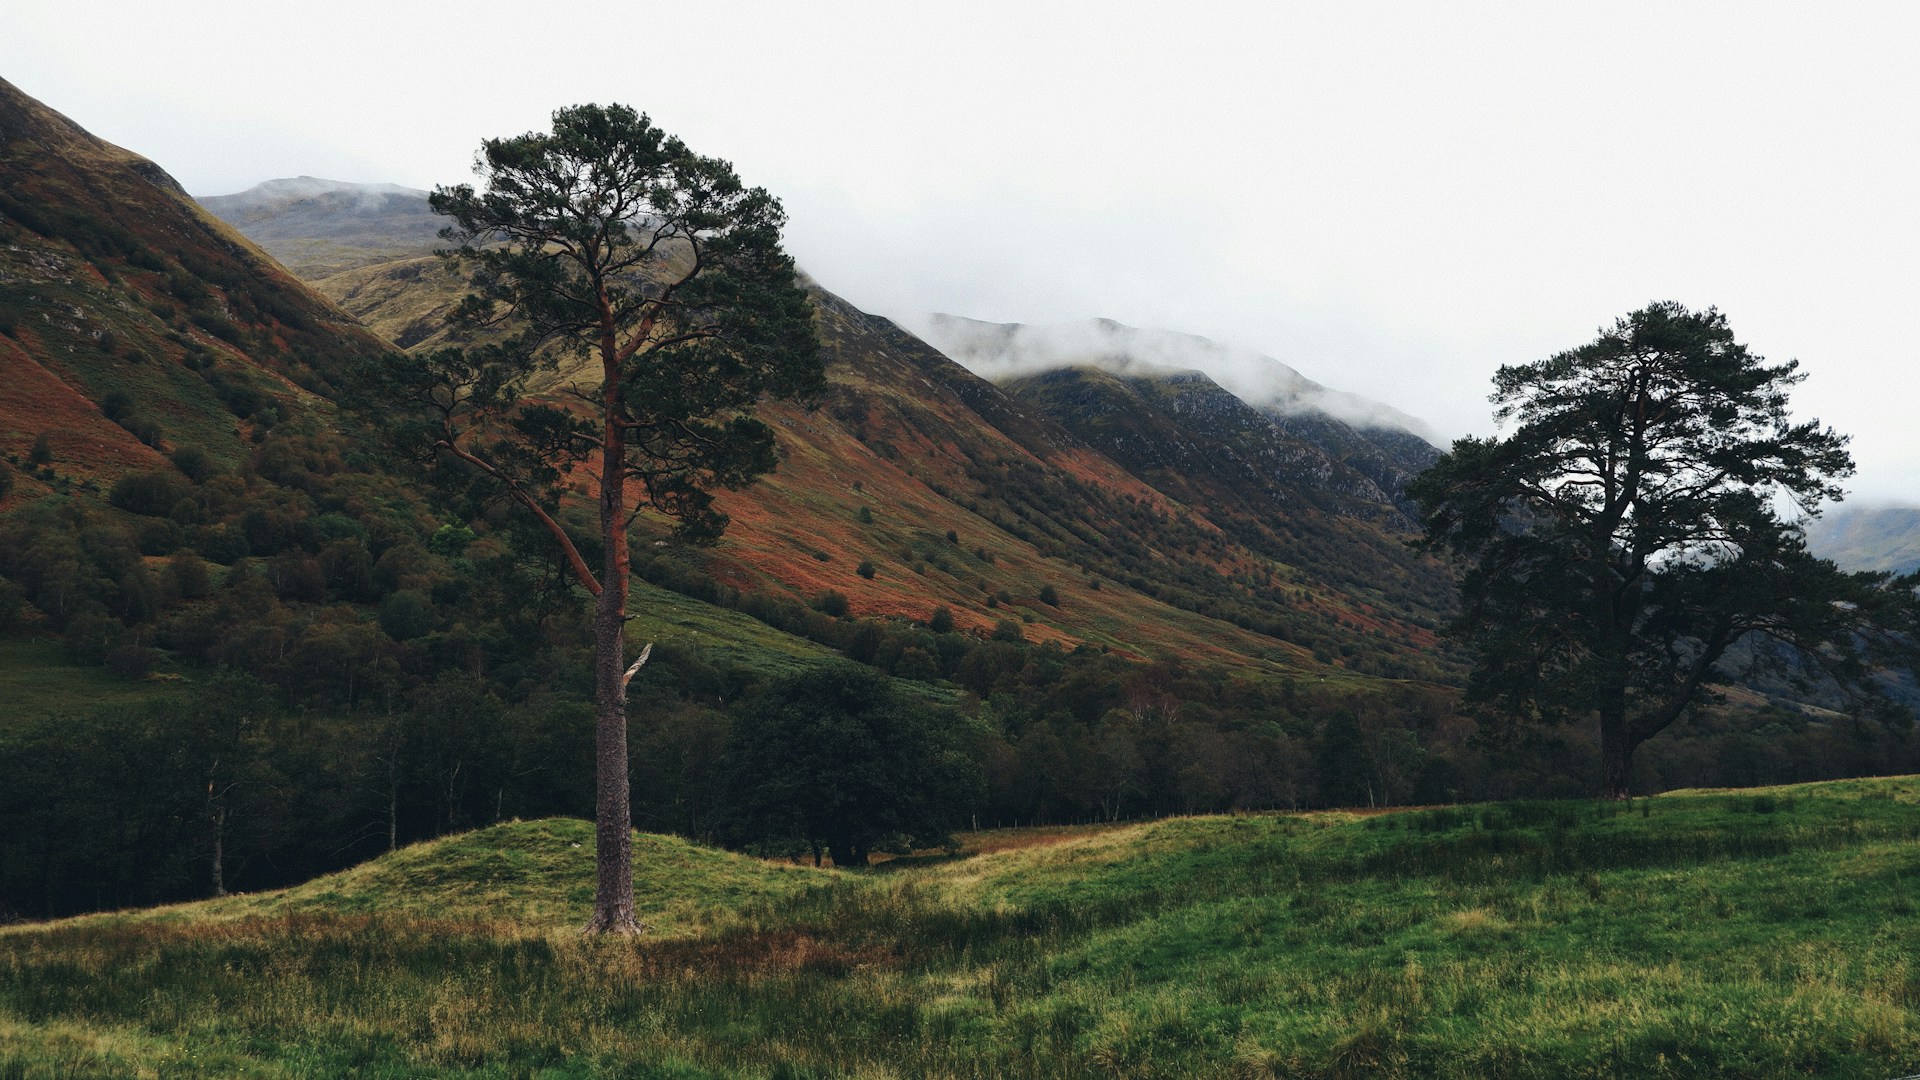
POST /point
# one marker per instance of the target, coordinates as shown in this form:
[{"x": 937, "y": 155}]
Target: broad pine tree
[
  {"x": 1639, "y": 528},
  {"x": 648, "y": 288}
]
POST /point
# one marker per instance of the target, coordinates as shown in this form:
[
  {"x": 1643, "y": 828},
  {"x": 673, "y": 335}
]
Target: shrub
[
  {"x": 148, "y": 493},
  {"x": 42, "y": 452},
  {"x": 831, "y": 603},
  {"x": 117, "y": 405},
  {"x": 1049, "y": 596},
  {"x": 406, "y": 615},
  {"x": 187, "y": 576},
  {"x": 223, "y": 544},
  {"x": 866, "y": 569},
  {"x": 1008, "y": 630},
  {"x": 941, "y": 622},
  {"x": 194, "y": 462},
  {"x": 146, "y": 429}
]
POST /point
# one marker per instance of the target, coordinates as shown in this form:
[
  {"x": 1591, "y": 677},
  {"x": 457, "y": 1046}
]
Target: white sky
[{"x": 1393, "y": 198}]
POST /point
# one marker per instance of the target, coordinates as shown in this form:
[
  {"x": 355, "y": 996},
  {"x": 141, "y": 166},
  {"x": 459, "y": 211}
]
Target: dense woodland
[{"x": 341, "y": 666}]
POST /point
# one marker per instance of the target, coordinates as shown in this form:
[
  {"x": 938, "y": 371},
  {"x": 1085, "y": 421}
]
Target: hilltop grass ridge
[{"x": 1759, "y": 933}]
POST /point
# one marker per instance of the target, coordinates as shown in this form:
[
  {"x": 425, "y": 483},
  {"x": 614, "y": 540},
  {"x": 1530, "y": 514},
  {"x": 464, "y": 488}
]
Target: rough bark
[
  {"x": 613, "y": 810},
  {"x": 219, "y": 851}
]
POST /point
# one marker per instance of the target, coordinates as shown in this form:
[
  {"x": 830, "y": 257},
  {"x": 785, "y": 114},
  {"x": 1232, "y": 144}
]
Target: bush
[
  {"x": 831, "y": 603},
  {"x": 1008, "y": 630},
  {"x": 941, "y": 621},
  {"x": 187, "y": 576},
  {"x": 157, "y": 537},
  {"x": 194, "y": 463},
  {"x": 866, "y": 569},
  {"x": 117, "y": 405},
  {"x": 223, "y": 544},
  {"x": 406, "y": 615},
  {"x": 42, "y": 452},
  {"x": 1049, "y": 596},
  {"x": 151, "y": 494}
]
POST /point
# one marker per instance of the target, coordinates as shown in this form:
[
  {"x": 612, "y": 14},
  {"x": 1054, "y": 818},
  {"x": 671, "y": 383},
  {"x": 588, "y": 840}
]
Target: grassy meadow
[{"x": 1754, "y": 934}]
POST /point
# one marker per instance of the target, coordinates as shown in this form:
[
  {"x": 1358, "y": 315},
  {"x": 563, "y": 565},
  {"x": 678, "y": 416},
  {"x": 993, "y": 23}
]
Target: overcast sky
[{"x": 1393, "y": 198}]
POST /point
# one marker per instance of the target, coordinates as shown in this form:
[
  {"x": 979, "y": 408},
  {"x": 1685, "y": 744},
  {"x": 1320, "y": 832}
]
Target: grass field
[
  {"x": 36, "y": 679},
  {"x": 1752, "y": 934}
]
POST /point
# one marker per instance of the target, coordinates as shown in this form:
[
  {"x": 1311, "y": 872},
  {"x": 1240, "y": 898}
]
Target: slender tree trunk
[
  {"x": 613, "y": 813},
  {"x": 219, "y": 850},
  {"x": 613, "y": 810}
]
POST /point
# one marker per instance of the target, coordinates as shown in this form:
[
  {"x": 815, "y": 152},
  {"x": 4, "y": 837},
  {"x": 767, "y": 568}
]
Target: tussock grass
[{"x": 1767, "y": 934}]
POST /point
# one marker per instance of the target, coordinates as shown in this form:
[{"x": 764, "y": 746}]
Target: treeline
[
  {"x": 363, "y": 673},
  {"x": 228, "y": 786}
]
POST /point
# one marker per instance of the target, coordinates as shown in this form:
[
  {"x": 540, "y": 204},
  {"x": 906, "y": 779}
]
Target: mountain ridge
[{"x": 926, "y": 448}]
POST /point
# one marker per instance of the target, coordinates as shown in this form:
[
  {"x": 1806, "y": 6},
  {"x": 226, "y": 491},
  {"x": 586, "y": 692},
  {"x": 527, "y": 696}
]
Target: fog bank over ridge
[{"x": 998, "y": 351}]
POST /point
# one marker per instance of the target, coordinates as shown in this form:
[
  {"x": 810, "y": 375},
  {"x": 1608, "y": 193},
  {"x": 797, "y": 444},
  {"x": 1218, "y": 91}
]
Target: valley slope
[
  {"x": 131, "y": 320},
  {"x": 1303, "y": 569}
]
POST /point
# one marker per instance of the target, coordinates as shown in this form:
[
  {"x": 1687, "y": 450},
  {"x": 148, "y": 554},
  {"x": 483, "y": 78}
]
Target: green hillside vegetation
[{"x": 1759, "y": 933}]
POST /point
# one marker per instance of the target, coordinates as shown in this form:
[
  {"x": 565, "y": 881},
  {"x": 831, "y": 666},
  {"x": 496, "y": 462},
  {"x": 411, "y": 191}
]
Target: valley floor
[{"x": 1756, "y": 934}]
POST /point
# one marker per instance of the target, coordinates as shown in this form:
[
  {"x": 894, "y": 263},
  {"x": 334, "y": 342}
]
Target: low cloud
[{"x": 998, "y": 351}]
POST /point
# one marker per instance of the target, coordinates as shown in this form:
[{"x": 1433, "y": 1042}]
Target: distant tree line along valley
[{"x": 353, "y": 672}]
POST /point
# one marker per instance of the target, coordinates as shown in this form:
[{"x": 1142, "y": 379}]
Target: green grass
[
  {"x": 1755, "y": 934},
  {"x": 718, "y": 634},
  {"x": 723, "y": 636},
  {"x": 37, "y": 680}
]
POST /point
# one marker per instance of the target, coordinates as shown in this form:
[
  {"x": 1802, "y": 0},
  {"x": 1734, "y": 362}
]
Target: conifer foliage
[
  {"x": 652, "y": 282},
  {"x": 1630, "y": 536}
]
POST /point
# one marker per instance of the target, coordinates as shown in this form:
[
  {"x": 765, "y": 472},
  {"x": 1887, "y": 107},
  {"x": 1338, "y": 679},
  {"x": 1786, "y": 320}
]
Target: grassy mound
[
  {"x": 523, "y": 877},
  {"x": 1762, "y": 933}
]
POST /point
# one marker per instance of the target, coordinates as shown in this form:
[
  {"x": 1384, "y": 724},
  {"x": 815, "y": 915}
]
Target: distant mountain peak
[
  {"x": 319, "y": 227},
  {"x": 308, "y": 187},
  {"x": 1008, "y": 350}
]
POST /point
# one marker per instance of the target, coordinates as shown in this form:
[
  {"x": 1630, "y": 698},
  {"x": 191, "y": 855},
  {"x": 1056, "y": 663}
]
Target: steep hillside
[
  {"x": 133, "y": 323},
  {"x": 910, "y": 449},
  {"x": 1380, "y": 442},
  {"x": 1275, "y": 492}
]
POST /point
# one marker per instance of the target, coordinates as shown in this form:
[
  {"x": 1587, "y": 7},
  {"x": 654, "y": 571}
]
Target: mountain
[
  {"x": 318, "y": 227},
  {"x": 365, "y": 246},
  {"x": 1000, "y": 350},
  {"x": 1273, "y": 491},
  {"x": 1868, "y": 538},
  {"x": 132, "y": 322},
  {"x": 910, "y": 448},
  {"x": 1380, "y": 442}
]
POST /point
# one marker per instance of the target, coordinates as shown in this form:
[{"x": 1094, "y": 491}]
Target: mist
[{"x": 997, "y": 351}]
